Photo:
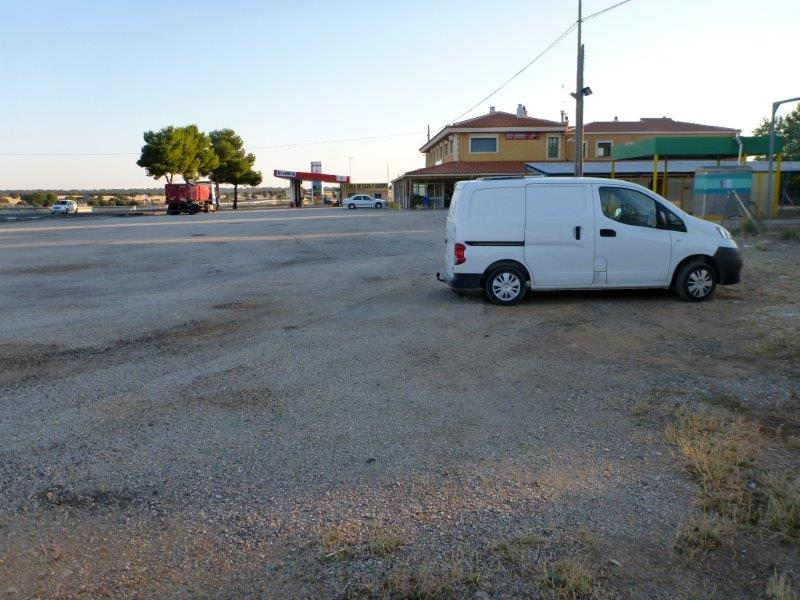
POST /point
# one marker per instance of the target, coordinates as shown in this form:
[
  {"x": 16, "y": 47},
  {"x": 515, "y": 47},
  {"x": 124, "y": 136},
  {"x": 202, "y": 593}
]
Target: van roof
[{"x": 538, "y": 180}]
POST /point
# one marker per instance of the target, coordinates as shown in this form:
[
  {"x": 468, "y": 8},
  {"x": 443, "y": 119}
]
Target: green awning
[{"x": 694, "y": 147}]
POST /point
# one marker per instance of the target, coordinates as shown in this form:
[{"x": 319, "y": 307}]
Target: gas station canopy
[
  {"x": 307, "y": 176},
  {"x": 694, "y": 147}
]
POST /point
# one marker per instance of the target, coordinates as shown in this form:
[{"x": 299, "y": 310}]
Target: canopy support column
[
  {"x": 776, "y": 192},
  {"x": 666, "y": 175},
  {"x": 655, "y": 173},
  {"x": 613, "y": 168}
]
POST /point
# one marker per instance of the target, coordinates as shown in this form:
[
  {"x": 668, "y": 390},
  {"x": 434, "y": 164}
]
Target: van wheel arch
[
  {"x": 501, "y": 263},
  {"x": 709, "y": 260}
]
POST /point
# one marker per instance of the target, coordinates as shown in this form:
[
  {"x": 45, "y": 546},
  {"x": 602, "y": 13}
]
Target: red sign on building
[{"x": 525, "y": 135}]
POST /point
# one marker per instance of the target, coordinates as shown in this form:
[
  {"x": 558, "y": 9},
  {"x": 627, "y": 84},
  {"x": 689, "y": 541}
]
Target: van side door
[
  {"x": 630, "y": 245},
  {"x": 559, "y": 235}
]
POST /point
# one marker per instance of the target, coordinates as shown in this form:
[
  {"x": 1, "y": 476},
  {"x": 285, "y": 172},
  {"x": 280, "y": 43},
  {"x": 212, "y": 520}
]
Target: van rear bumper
[
  {"x": 728, "y": 262},
  {"x": 462, "y": 281}
]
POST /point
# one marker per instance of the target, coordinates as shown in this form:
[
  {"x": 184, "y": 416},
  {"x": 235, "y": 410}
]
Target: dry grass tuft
[
  {"x": 718, "y": 451},
  {"x": 701, "y": 535},
  {"x": 349, "y": 539},
  {"x": 383, "y": 543},
  {"x": 782, "y": 510},
  {"x": 722, "y": 453},
  {"x": 783, "y": 346},
  {"x": 779, "y": 588},
  {"x": 570, "y": 579},
  {"x": 515, "y": 550},
  {"x": 641, "y": 408}
]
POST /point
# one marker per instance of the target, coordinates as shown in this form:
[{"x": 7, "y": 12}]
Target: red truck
[{"x": 190, "y": 198}]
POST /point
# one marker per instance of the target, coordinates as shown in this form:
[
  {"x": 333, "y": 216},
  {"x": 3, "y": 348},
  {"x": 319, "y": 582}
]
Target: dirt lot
[{"x": 285, "y": 404}]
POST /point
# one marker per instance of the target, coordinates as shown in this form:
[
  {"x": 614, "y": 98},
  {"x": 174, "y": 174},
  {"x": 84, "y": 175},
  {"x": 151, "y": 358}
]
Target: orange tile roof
[
  {"x": 491, "y": 167},
  {"x": 504, "y": 119},
  {"x": 657, "y": 125}
]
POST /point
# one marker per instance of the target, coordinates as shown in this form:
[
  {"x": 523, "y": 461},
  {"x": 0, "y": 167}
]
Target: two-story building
[
  {"x": 497, "y": 143},
  {"x": 500, "y": 143}
]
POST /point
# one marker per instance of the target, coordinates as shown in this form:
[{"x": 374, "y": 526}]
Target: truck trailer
[{"x": 189, "y": 198}]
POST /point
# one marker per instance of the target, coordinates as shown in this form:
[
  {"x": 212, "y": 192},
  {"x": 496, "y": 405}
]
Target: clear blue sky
[{"x": 90, "y": 77}]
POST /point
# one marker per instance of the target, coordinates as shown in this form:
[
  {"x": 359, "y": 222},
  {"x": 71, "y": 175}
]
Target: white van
[{"x": 505, "y": 235}]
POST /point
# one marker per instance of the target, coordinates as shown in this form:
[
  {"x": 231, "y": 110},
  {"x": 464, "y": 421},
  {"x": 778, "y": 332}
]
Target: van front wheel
[
  {"x": 505, "y": 285},
  {"x": 695, "y": 282}
]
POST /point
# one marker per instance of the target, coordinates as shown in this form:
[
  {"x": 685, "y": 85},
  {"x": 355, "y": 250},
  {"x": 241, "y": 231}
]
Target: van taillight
[{"x": 460, "y": 253}]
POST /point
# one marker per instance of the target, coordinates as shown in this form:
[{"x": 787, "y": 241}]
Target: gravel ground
[{"x": 287, "y": 404}]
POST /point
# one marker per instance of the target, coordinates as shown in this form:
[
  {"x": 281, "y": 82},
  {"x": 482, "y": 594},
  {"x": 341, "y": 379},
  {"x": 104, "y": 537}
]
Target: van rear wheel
[{"x": 505, "y": 285}]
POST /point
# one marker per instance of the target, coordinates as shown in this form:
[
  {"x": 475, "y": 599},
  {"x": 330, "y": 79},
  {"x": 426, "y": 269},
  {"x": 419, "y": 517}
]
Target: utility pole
[
  {"x": 579, "y": 101},
  {"x": 775, "y": 106}
]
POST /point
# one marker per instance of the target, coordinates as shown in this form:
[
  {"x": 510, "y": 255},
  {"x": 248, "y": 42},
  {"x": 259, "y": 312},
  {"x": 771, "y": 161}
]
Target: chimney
[
  {"x": 616, "y": 118},
  {"x": 491, "y": 110},
  {"x": 521, "y": 111},
  {"x": 563, "y": 117}
]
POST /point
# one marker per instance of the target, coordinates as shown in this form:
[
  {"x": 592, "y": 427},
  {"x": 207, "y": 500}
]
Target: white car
[
  {"x": 362, "y": 201},
  {"x": 64, "y": 207},
  {"x": 506, "y": 236}
]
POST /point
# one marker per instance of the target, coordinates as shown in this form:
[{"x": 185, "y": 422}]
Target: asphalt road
[{"x": 277, "y": 373}]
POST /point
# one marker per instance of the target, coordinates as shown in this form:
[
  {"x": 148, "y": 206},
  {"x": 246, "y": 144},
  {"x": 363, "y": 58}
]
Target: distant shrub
[{"x": 750, "y": 227}]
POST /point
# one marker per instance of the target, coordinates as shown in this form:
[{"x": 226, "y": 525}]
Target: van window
[
  {"x": 669, "y": 220},
  {"x": 628, "y": 206}
]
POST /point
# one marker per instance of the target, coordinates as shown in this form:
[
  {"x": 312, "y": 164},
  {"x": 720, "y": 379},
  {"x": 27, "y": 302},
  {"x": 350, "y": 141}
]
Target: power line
[
  {"x": 605, "y": 10},
  {"x": 549, "y": 47}
]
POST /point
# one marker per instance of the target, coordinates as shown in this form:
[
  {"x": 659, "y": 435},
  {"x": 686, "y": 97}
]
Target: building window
[
  {"x": 585, "y": 150},
  {"x": 553, "y": 147},
  {"x": 603, "y": 149},
  {"x": 483, "y": 145}
]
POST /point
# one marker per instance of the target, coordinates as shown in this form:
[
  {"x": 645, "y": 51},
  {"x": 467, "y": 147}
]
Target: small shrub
[
  {"x": 791, "y": 235},
  {"x": 750, "y": 227}
]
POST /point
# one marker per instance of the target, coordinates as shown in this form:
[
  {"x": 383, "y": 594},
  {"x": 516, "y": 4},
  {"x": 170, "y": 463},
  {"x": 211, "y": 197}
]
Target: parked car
[
  {"x": 64, "y": 207},
  {"x": 362, "y": 201},
  {"x": 506, "y": 236}
]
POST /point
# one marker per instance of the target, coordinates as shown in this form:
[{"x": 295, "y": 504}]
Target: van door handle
[
  {"x": 608, "y": 233},
  {"x": 577, "y": 232}
]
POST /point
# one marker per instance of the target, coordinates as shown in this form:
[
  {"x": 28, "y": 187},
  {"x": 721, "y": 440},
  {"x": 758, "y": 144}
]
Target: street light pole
[
  {"x": 775, "y": 106},
  {"x": 579, "y": 101}
]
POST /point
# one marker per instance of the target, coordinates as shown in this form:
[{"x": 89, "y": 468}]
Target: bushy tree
[
  {"x": 235, "y": 166},
  {"x": 789, "y": 128},
  {"x": 39, "y": 198},
  {"x": 184, "y": 151}
]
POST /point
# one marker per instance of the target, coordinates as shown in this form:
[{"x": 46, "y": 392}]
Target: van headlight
[{"x": 724, "y": 233}]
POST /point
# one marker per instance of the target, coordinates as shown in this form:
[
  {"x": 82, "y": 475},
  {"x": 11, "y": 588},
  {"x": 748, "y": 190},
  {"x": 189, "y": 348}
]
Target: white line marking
[
  {"x": 210, "y": 239},
  {"x": 186, "y": 221}
]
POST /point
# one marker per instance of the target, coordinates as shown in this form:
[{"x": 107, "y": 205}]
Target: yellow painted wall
[
  {"x": 444, "y": 151},
  {"x": 524, "y": 150}
]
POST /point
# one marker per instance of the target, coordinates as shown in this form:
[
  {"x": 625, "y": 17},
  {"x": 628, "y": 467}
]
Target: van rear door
[{"x": 559, "y": 235}]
